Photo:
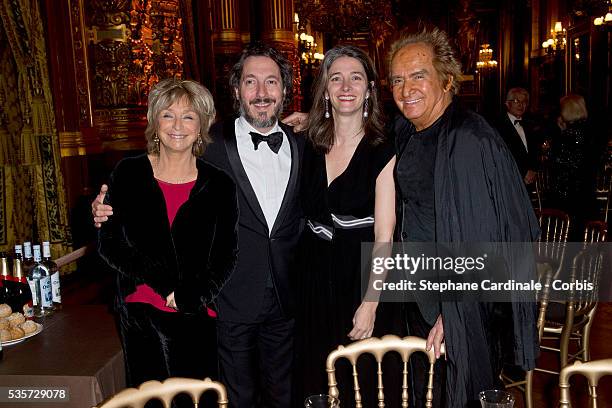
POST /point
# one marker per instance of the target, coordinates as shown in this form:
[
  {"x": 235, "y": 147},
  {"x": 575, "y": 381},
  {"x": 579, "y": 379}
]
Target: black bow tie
[
  {"x": 274, "y": 140},
  {"x": 518, "y": 122}
]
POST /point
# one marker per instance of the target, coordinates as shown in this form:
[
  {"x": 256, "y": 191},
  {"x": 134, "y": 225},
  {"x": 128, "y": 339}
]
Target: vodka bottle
[
  {"x": 22, "y": 297},
  {"x": 55, "y": 276},
  {"x": 28, "y": 262},
  {"x": 40, "y": 285}
]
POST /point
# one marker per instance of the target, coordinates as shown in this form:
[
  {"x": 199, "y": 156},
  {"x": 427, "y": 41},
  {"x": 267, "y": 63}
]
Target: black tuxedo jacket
[
  {"x": 261, "y": 254},
  {"x": 525, "y": 160}
]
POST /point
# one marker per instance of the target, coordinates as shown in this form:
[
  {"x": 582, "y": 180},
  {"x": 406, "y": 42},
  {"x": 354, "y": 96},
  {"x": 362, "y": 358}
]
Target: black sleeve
[
  {"x": 202, "y": 288},
  {"x": 115, "y": 247}
]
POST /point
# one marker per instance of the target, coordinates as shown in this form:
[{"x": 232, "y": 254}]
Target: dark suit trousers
[{"x": 256, "y": 358}]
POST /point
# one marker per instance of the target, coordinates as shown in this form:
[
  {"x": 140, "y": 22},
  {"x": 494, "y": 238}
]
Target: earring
[
  {"x": 156, "y": 141},
  {"x": 326, "y": 107},
  {"x": 365, "y": 108},
  {"x": 199, "y": 142}
]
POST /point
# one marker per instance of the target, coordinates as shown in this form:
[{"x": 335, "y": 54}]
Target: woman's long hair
[{"x": 320, "y": 129}]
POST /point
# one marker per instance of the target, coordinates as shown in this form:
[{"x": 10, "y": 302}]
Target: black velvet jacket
[{"x": 193, "y": 258}]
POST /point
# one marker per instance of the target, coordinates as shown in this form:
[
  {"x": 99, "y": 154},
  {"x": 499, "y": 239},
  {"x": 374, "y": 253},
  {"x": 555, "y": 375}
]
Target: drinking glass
[
  {"x": 496, "y": 399},
  {"x": 321, "y": 401}
]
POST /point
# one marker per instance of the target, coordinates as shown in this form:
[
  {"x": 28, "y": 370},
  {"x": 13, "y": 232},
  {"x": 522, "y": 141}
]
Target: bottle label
[
  {"x": 55, "y": 287},
  {"x": 46, "y": 297},
  {"x": 32, "y": 284},
  {"x": 28, "y": 311}
]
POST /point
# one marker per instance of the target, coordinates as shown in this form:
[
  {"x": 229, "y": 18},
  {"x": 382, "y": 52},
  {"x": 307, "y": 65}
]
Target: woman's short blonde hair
[
  {"x": 573, "y": 108},
  {"x": 168, "y": 91}
]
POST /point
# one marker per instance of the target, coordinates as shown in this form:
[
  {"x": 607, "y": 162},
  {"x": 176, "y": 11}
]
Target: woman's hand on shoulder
[
  {"x": 298, "y": 120},
  {"x": 99, "y": 210},
  {"x": 170, "y": 302}
]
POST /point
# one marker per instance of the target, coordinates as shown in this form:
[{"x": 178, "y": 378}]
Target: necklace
[{"x": 190, "y": 176}]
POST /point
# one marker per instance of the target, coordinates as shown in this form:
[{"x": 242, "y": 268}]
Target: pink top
[{"x": 175, "y": 195}]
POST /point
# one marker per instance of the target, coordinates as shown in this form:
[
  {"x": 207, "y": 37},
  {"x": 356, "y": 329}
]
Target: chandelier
[
  {"x": 607, "y": 19},
  {"x": 557, "y": 40},
  {"x": 342, "y": 18},
  {"x": 485, "y": 58}
]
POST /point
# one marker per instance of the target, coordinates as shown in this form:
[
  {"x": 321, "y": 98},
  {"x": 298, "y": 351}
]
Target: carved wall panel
[{"x": 132, "y": 45}]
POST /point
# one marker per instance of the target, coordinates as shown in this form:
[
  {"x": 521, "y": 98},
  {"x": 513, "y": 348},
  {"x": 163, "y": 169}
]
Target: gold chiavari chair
[
  {"x": 577, "y": 314},
  {"x": 550, "y": 252},
  {"x": 603, "y": 190},
  {"x": 542, "y": 187},
  {"x": 525, "y": 383},
  {"x": 550, "y": 247},
  {"x": 593, "y": 371},
  {"x": 378, "y": 347},
  {"x": 595, "y": 231},
  {"x": 165, "y": 392}
]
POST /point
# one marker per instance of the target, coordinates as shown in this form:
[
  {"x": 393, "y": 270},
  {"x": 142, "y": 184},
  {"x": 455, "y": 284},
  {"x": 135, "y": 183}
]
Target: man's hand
[
  {"x": 363, "y": 321},
  {"x": 99, "y": 210},
  {"x": 170, "y": 302},
  {"x": 298, "y": 120},
  {"x": 436, "y": 337},
  {"x": 530, "y": 177}
]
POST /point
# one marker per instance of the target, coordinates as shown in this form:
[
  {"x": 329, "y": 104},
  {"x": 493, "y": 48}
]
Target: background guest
[
  {"x": 517, "y": 133},
  {"x": 574, "y": 162}
]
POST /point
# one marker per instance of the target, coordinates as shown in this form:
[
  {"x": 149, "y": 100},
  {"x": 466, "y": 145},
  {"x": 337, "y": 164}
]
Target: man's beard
[{"x": 263, "y": 121}]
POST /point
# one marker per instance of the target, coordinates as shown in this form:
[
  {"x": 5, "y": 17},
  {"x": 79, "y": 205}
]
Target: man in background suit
[
  {"x": 255, "y": 323},
  {"x": 516, "y": 133}
]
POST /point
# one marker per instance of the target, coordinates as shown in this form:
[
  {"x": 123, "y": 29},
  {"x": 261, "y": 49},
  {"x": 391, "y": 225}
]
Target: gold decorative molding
[
  {"x": 79, "y": 143},
  {"x": 121, "y": 128},
  {"x": 113, "y": 33}
]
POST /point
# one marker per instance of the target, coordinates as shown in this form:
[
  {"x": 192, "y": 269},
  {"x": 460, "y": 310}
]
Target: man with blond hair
[{"x": 456, "y": 182}]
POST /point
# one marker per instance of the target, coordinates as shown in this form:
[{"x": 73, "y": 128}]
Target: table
[{"x": 79, "y": 348}]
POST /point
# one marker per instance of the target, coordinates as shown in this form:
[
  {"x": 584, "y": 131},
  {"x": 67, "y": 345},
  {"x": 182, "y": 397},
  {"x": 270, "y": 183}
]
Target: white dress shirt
[
  {"x": 519, "y": 128},
  {"x": 267, "y": 171}
]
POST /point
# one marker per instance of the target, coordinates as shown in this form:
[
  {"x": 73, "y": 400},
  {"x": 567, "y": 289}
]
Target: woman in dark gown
[
  {"x": 348, "y": 198},
  {"x": 574, "y": 160}
]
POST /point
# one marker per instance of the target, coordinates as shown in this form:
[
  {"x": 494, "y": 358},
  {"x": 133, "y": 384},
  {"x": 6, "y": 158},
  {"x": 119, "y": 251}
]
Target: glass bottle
[
  {"x": 55, "y": 275},
  {"x": 40, "y": 285},
  {"x": 6, "y": 283},
  {"x": 22, "y": 298},
  {"x": 28, "y": 262}
]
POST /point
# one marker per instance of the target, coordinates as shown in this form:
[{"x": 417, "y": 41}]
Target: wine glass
[
  {"x": 321, "y": 401},
  {"x": 496, "y": 399}
]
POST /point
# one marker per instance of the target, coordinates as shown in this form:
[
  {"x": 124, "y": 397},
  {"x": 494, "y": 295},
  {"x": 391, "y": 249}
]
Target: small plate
[{"x": 39, "y": 328}]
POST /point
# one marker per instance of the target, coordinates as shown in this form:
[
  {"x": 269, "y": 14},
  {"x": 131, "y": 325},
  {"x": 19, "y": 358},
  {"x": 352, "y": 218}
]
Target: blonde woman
[{"x": 171, "y": 240}]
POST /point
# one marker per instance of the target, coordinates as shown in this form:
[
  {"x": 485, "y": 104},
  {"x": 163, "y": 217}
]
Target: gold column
[
  {"x": 277, "y": 30},
  {"x": 227, "y": 45}
]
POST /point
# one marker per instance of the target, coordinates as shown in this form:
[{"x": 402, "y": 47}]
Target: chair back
[
  {"x": 592, "y": 370},
  {"x": 595, "y": 231},
  {"x": 378, "y": 347},
  {"x": 586, "y": 266},
  {"x": 554, "y": 226},
  {"x": 603, "y": 190},
  {"x": 165, "y": 392}
]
